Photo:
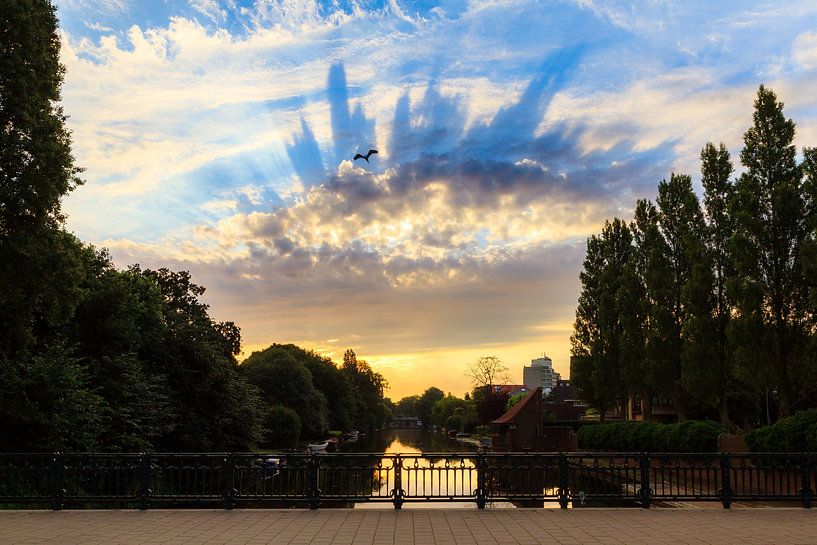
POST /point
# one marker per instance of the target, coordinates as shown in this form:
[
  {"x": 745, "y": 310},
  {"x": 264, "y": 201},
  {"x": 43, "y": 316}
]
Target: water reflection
[{"x": 423, "y": 475}]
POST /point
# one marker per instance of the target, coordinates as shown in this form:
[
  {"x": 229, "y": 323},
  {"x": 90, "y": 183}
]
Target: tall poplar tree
[
  {"x": 596, "y": 343},
  {"x": 654, "y": 372},
  {"x": 716, "y": 170},
  {"x": 36, "y": 171},
  {"x": 773, "y": 216},
  {"x": 682, "y": 224}
]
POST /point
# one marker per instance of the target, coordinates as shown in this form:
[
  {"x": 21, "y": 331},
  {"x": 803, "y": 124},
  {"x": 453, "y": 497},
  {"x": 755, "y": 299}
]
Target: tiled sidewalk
[{"x": 779, "y": 526}]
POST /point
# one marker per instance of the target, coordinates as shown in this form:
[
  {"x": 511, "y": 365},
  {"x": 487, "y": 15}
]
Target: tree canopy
[{"x": 709, "y": 306}]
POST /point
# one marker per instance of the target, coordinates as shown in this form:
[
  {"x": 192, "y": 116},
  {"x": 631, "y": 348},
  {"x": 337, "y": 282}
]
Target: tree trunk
[{"x": 646, "y": 406}]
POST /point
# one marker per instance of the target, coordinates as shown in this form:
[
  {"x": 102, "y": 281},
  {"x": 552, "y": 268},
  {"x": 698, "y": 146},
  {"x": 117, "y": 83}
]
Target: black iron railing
[{"x": 237, "y": 479}]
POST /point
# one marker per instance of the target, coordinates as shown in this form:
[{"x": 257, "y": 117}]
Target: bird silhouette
[{"x": 359, "y": 156}]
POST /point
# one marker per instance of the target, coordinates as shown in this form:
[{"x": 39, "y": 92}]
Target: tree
[
  {"x": 285, "y": 381},
  {"x": 425, "y": 404},
  {"x": 46, "y": 404},
  {"x": 716, "y": 169},
  {"x": 596, "y": 365},
  {"x": 215, "y": 406},
  {"x": 36, "y": 170},
  {"x": 369, "y": 387},
  {"x": 454, "y": 413},
  {"x": 407, "y": 406},
  {"x": 330, "y": 381},
  {"x": 486, "y": 371},
  {"x": 689, "y": 283},
  {"x": 282, "y": 427},
  {"x": 644, "y": 301},
  {"x": 773, "y": 221}
]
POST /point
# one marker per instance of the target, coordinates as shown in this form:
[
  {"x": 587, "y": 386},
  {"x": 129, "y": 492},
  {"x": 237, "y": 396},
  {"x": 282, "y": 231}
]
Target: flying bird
[{"x": 359, "y": 156}]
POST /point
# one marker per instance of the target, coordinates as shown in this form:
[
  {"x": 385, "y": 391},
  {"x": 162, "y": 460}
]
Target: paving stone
[{"x": 773, "y": 526}]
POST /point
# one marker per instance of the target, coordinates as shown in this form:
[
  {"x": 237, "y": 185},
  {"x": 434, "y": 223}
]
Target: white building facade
[{"x": 540, "y": 374}]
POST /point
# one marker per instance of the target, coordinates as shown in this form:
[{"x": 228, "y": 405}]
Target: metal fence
[{"x": 235, "y": 479}]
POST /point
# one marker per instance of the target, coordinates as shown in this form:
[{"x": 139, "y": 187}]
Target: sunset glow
[{"x": 218, "y": 137}]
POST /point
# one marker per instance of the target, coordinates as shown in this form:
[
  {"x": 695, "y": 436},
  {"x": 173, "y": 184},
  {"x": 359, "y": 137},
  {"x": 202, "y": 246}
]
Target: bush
[
  {"x": 701, "y": 436},
  {"x": 797, "y": 433},
  {"x": 688, "y": 436}
]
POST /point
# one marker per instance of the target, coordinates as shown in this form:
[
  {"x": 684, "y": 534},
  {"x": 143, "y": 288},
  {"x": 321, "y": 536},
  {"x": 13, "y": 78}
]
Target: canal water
[{"x": 458, "y": 481}]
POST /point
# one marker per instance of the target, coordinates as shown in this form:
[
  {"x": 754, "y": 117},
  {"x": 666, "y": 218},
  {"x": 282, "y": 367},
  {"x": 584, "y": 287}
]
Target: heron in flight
[{"x": 359, "y": 156}]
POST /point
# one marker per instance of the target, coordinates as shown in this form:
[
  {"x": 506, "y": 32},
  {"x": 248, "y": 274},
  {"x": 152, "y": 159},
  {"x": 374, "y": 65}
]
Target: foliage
[
  {"x": 712, "y": 306},
  {"x": 93, "y": 358},
  {"x": 330, "y": 381},
  {"x": 282, "y": 427},
  {"x": 425, "y": 404},
  {"x": 489, "y": 404},
  {"x": 633, "y": 436},
  {"x": 797, "y": 433},
  {"x": 774, "y": 218},
  {"x": 407, "y": 406},
  {"x": 597, "y": 340},
  {"x": 513, "y": 400},
  {"x": 36, "y": 165},
  {"x": 368, "y": 387},
  {"x": 46, "y": 404},
  {"x": 454, "y": 413},
  {"x": 283, "y": 380}
]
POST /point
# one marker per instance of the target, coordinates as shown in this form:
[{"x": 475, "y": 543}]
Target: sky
[{"x": 217, "y": 136}]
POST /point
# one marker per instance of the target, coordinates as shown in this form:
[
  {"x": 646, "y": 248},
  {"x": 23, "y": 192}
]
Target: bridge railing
[{"x": 145, "y": 480}]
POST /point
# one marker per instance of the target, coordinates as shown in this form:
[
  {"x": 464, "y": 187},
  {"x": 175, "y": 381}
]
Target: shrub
[
  {"x": 689, "y": 436},
  {"x": 701, "y": 436},
  {"x": 797, "y": 433}
]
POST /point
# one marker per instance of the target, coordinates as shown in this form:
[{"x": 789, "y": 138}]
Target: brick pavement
[{"x": 778, "y": 526}]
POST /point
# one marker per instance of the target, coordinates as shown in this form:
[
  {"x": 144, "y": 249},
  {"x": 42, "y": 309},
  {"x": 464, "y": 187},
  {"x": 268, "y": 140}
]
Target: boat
[
  {"x": 320, "y": 446},
  {"x": 269, "y": 467}
]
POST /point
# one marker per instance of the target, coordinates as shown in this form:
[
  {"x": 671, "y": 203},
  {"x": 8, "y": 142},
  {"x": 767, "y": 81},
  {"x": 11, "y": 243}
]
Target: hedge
[
  {"x": 632, "y": 436},
  {"x": 797, "y": 433}
]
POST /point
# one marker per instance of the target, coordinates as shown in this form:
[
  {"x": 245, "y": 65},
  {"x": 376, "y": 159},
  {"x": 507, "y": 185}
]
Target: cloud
[
  {"x": 218, "y": 137},
  {"x": 805, "y": 50},
  {"x": 210, "y": 9}
]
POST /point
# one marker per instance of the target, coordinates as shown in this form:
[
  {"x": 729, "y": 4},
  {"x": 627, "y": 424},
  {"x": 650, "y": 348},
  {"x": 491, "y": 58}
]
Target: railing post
[
  {"x": 398, "y": 492},
  {"x": 564, "y": 480},
  {"x": 482, "y": 492},
  {"x": 57, "y": 481},
  {"x": 726, "y": 481},
  {"x": 227, "y": 466},
  {"x": 806, "y": 489},
  {"x": 144, "y": 479},
  {"x": 644, "y": 491},
  {"x": 314, "y": 477}
]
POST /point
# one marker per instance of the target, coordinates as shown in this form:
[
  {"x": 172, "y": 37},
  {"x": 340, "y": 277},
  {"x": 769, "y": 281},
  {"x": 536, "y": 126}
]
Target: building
[
  {"x": 510, "y": 390},
  {"x": 540, "y": 374},
  {"x": 521, "y": 429},
  {"x": 564, "y": 403}
]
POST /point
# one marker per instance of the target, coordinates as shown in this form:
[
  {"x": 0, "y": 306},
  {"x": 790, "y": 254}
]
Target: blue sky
[{"x": 218, "y": 137}]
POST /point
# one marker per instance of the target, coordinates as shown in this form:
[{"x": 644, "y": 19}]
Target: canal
[{"x": 460, "y": 479}]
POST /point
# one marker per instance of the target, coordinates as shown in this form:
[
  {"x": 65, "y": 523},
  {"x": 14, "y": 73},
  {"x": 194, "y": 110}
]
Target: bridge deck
[{"x": 779, "y": 526}]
